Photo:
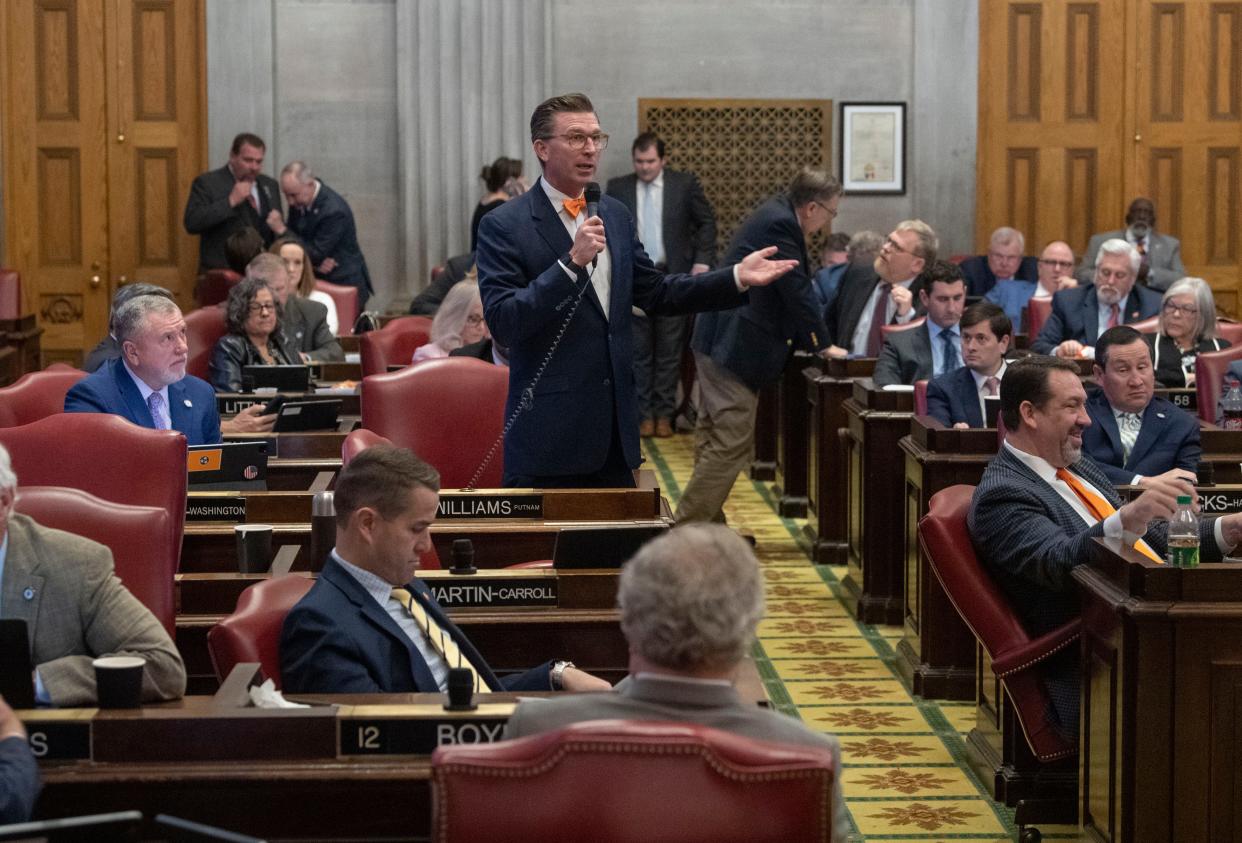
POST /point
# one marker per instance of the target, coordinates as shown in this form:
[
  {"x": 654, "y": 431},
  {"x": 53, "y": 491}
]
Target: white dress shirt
[
  {"x": 145, "y": 391},
  {"x": 651, "y": 230},
  {"x": 981, "y": 386},
  {"x": 601, "y": 273},
  {"x": 858, "y": 344}
]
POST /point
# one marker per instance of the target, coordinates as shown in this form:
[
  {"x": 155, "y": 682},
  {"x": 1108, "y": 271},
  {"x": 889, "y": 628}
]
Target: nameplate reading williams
[
  {"x": 481, "y": 592},
  {"x": 457, "y": 505},
  {"x": 215, "y": 508}
]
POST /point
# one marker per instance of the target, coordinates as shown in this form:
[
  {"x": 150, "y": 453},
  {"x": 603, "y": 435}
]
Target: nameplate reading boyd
[
  {"x": 216, "y": 509},
  {"x": 479, "y": 591},
  {"x": 489, "y": 506},
  {"x": 416, "y": 737}
]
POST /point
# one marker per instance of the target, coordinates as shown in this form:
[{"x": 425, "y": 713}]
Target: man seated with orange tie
[
  {"x": 1041, "y": 502},
  {"x": 369, "y": 625}
]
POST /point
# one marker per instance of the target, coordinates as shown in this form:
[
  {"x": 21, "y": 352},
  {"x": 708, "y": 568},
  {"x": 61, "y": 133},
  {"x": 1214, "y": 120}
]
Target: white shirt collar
[
  {"x": 658, "y": 181},
  {"x": 145, "y": 391},
  {"x": 1039, "y": 465},
  {"x": 374, "y": 585},
  {"x": 979, "y": 379},
  {"x": 555, "y": 196}
]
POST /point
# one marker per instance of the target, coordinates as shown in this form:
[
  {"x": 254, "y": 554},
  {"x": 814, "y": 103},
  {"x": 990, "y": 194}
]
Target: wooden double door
[
  {"x": 1086, "y": 104},
  {"x": 102, "y": 104}
]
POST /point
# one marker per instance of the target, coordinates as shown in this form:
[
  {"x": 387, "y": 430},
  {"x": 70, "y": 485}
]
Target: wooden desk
[
  {"x": 792, "y": 443},
  {"x": 335, "y": 371},
  {"x": 767, "y": 426},
  {"x": 829, "y": 384},
  {"x": 230, "y": 403},
  {"x": 937, "y": 650},
  {"x": 23, "y": 336},
  {"x": 875, "y": 471},
  {"x": 1161, "y": 744}
]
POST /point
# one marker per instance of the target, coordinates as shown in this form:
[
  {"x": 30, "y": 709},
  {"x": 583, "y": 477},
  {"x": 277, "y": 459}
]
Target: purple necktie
[{"x": 155, "y": 403}]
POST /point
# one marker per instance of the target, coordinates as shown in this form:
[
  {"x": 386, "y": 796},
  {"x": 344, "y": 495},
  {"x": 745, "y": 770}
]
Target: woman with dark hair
[
  {"x": 253, "y": 317},
  {"x": 504, "y": 181},
  {"x": 301, "y": 277}
]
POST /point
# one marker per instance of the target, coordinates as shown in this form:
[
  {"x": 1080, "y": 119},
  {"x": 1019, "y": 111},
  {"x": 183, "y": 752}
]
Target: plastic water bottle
[
  {"x": 1232, "y": 407},
  {"x": 1184, "y": 535}
]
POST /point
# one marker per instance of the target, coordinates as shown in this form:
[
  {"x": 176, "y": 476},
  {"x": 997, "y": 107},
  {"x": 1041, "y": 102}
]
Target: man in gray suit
[
  {"x": 933, "y": 348},
  {"x": 75, "y": 608},
  {"x": 1160, "y": 254},
  {"x": 690, "y": 602},
  {"x": 305, "y": 322},
  {"x": 678, "y": 229},
  {"x": 1041, "y": 501}
]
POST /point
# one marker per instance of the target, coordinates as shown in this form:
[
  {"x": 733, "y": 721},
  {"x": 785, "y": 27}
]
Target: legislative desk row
[{"x": 350, "y": 767}]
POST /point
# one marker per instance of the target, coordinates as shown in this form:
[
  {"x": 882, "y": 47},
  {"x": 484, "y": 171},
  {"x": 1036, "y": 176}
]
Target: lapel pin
[
  {"x": 188, "y": 403},
  {"x": 28, "y": 593},
  {"x": 1159, "y": 415}
]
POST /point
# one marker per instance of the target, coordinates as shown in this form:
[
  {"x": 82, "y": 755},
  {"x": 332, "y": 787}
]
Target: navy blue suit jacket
[
  {"x": 954, "y": 398},
  {"x": 338, "y": 640},
  {"x": 19, "y": 781},
  {"x": 327, "y": 229},
  {"x": 588, "y": 385},
  {"x": 1169, "y": 438},
  {"x": 1075, "y": 315},
  {"x": 980, "y": 278},
  {"x": 110, "y": 389},
  {"x": 753, "y": 342}
]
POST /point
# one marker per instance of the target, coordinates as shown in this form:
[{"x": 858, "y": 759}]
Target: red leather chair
[
  {"x": 449, "y": 411},
  {"x": 107, "y": 456},
  {"x": 1037, "y": 313},
  {"x": 1147, "y": 326},
  {"x": 1229, "y": 330},
  {"x": 892, "y": 329},
  {"x": 958, "y": 259},
  {"x": 393, "y": 344},
  {"x": 920, "y": 397},
  {"x": 10, "y": 294},
  {"x": 346, "y": 299},
  {"x": 641, "y": 781},
  {"x": 252, "y": 632},
  {"x": 138, "y": 536},
  {"x": 203, "y": 327},
  {"x": 1210, "y": 368},
  {"x": 1015, "y": 656},
  {"x": 36, "y": 395},
  {"x": 214, "y": 285},
  {"x": 437, "y": 272}
]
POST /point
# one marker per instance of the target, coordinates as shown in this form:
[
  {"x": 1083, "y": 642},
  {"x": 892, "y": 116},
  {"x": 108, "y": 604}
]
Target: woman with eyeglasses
[
  {"x": 1187, "y": 327},
  {"x": 458, "y": 322},
  {"x": 252, "y": 316}
]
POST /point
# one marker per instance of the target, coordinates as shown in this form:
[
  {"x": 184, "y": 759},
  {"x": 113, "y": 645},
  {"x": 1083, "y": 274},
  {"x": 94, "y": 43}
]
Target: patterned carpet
[{"x": 905, "y": 774}]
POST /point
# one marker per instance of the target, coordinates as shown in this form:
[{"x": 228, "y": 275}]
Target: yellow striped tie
[{"x": 440, "y": 640}]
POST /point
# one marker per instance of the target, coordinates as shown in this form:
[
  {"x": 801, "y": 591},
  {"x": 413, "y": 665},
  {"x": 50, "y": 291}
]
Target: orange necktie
[
  {"x": 1101, "y": 509},
  {"x": 574, "y": 206}
]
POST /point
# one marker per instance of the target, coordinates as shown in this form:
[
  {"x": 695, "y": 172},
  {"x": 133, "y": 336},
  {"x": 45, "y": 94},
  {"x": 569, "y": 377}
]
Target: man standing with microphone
[{"x": 558, "y": 291}]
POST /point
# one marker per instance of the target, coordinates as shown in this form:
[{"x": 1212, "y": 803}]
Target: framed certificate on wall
[{"x": 873, "y": 147}]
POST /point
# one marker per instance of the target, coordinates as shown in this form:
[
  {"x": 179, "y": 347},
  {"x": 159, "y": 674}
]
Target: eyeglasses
[
  {"x": 1174, "y": 309},
  {"x": 577, "y": 140},
  {"x": 997, "y": 256},
  {"x": 1057, "y": 264},
  {"x": 474, "y": 319},
  {"x": 897, "y": 247},
  {"x": 832, "y": 212},
  {"x": 256, "y": 307}
]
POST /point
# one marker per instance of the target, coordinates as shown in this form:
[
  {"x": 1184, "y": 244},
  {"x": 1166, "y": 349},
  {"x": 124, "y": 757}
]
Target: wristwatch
[
  {"x": 568, "y": 262},
  {"x": 556, "y": 675}
]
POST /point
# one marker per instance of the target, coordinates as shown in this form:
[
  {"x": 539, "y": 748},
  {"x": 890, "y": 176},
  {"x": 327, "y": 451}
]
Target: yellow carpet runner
[{"x": 905, "y": 774}]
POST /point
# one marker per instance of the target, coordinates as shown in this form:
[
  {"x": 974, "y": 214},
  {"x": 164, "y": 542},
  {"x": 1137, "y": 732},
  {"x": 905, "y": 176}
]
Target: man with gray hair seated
[
  {"x": 1079, "y": 315},
  {"x": 148, "y": 385},
  {"x": 690, "y": 602},
  {"x": 1006, "y": 260},
  {"x": 109, "y": 348}
]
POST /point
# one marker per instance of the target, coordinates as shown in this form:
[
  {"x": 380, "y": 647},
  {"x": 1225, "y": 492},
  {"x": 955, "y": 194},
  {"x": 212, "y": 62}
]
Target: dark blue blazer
[
  {"x": 327, "y": 229},
  {"x": 110, "y": 389},
  {"x": 980, "y": 278},
  {"x": 754, "y": 341},
  {"x": 338, "y": 640},
  {"x": 1169, "y": 438},
  {"x": 19, "y": 781},
  {"x": 954, "y": 398},
  {"x": 1075, "y": 315},
  {"x": 588, "y": 385}
]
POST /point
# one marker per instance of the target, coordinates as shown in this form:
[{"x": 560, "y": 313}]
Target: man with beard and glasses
[
  {"x": 1081, "y": 314},
  {"x": 1041, "y": 501},
  {"x": 1160, "y": 254}
]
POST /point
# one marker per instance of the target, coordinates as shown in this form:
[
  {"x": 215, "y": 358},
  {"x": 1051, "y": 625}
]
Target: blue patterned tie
[
  {"x": 155, "y": 403},
  {"x": 951, "y": 360}
]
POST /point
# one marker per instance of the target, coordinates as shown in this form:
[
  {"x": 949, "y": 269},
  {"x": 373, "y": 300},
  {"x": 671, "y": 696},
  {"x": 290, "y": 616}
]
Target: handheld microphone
[{"x": 591, "y": 194}]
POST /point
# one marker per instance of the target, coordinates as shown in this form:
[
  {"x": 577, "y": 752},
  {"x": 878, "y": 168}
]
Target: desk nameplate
[
  {"x": 206, "y": 507},
  {"x": 494, "y": 505},
  {"x": 1213, "y": 500},
  {"x": 417, "y": 730},
  {"x": 59, "y": 735},
  {"x": 537, "y": 589}
]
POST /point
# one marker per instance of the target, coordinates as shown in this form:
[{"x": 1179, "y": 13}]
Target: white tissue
[{"x": 266, "y": 696}]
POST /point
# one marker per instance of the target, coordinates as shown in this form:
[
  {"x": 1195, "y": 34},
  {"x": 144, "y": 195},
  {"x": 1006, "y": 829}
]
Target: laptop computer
[
  {"x": 604, "y": 546},
  {"x": 281, "y": 378},
  {"x": 320, "y": 414},
  {"x": 228, "y": 466},
  {"x": 16, "y": 670}
]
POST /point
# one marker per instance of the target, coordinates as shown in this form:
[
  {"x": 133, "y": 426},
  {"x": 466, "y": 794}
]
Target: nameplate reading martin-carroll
[
  {"x": 457, "y": 505},
  {"x": 216, "y": 508},
  {"x": 476, "y": 591}
]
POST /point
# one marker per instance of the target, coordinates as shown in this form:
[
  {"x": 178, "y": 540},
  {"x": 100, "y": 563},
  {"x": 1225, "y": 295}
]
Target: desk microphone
[
  {"x": 463, "y": 557},
  {"x": 591, "y": 194},
  {"x": 460, "y": 690}
]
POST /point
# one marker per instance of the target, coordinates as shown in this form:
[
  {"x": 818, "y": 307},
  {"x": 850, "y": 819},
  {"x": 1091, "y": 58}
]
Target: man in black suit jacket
[
  {"x": 323, "y": 221},
  {"x": 231, "y": 198},
  {"x": 892, "y": 283},
  {"x": 1135, "y": 436},
  {"x": 933, "y": 348},
  {"x": 678, "y": 230},
  {"x": 1003, "y": 262},
  {"x": 1030, "y": 527},
  {"x": 739, "y": 351},
  {"x": 956, "y": 399},
  {"x": 1081, "y": 314}
]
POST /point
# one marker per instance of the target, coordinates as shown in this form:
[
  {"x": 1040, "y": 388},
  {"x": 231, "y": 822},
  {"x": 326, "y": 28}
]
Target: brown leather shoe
[
  {"x": 664, "y": 428},
  {"x": 647, "y": 428}
]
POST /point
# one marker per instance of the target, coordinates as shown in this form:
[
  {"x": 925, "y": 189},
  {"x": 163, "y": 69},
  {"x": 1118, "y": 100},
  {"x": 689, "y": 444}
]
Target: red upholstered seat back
[
  {"x": 10, "y": 294},
  {"x": 1231, "y": 331},
  {"x": 892, "y": 329},
  {"x": 138, "y": 537},
  {"x": 203, "y": 327},
  {"x": 449, "y": 411},
  {"x": 107, "y": 456},
  {"x": 920, "y": 397},
  {"x": 1210, "y": 368},
  {"x": 345, "y": 298},
  {"x": 214, "y": 285},
  {"x": 632, "y": 781},
  {"x": 1147, "y": 326},
  {"x": 36, "y": 395},
  {"x": 252, "y": 632},
  {"x": 393, "y": 344},
  {"x": 1037, "y": 313}
]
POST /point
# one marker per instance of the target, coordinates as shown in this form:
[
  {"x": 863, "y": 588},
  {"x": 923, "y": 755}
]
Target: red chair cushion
[
  {"x": 345, "y": 298},
  {"x": 1147, "y": 326},
  {"x": 37, "y": 395},
  {"x": 214, "y": 286},
  {"x": 920, "y": 397},
  {"x": 1037, "y": 313},
  {"x": 358, "y": 441},
  {"x": 203, "y": 327},
  {"x": 1210, "y": 369},
  {"x": 1231, "y": 331},
  {"x": 632, "y": 781},
  {"x": 138, "y": 536},
  {"x": 393, "y": 344},
  {"x": 252, "y": 632}
]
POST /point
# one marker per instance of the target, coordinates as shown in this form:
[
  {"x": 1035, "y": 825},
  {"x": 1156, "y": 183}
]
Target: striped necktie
[
  {"x": 440, "y": 640},
  {"x": 1101, "y": 508}
]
